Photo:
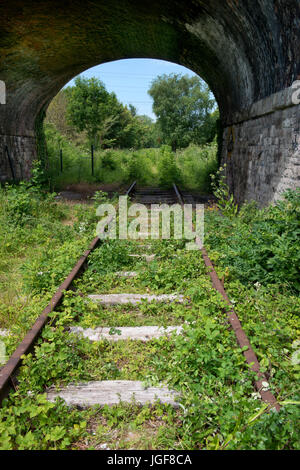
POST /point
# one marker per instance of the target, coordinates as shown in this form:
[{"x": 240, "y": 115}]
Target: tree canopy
[
  {"x": 92, "y": 109},
  {"x": 183, "y": 106},
  {"x": 185, "y": 110}
]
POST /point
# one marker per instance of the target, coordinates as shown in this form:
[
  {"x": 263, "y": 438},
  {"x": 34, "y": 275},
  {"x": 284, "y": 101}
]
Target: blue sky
[{"x": 130, "y": 79}]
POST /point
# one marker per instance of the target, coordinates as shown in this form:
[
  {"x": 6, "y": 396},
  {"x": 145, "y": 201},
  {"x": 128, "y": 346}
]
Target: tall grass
[
  {"x": 196, "y": 164},
  {"x": 191, "y": 166}
]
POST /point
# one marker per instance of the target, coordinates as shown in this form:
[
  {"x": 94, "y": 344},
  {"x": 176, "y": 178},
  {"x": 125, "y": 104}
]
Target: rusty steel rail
[
  {"x": 8, "y": 371},
  {"x": 131, "y": 188},
  {"x": 178, "y": 194},
  {"x": 241, "y": 337}
]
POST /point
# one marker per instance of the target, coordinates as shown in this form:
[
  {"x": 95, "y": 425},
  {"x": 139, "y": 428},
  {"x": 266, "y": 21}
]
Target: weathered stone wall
[
  {"x": 22, "y": 150},
  {"x": 261, "y": 149}
]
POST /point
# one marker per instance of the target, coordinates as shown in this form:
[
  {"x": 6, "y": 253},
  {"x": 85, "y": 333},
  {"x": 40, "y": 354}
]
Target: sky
[{"x": 130, "y": 79}]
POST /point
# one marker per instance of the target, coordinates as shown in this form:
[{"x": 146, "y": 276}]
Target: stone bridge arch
[{"x": 247, "y": 51}]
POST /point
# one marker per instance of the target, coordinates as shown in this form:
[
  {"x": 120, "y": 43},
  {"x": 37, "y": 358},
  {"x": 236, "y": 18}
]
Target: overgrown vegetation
[
  {"x": 257, "y": 246},
  {"x": 40, "y": 241},
  {"x": 127, "y": 146},
  {"x": 256, "y": 256},
  {"x": 190, "y": 167}
]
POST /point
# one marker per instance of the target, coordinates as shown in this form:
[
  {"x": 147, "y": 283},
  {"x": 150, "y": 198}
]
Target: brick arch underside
[{"x": 248, "y": 54}]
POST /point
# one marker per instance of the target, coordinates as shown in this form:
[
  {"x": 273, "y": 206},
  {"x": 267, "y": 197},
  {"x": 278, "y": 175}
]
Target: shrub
[
  {"x": 225, "y": 200},
  {"x": 263, "y": 248},
  {"x": 108, "y": 161},
  {"x": 169, "y": 173}
]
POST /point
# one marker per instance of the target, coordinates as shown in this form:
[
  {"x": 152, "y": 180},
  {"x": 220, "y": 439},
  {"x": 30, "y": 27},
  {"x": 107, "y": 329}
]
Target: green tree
[
  {"x": 134, "y": 131},
  {"x": 126, "y": 133},
  {"x": 133, "y": 110},
  {"x": 183, "y": 107},
  {"x": 91, "y": 108}
]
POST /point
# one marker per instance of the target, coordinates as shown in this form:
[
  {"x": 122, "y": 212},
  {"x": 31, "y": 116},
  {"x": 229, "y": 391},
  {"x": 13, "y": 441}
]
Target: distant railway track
[{"x": 147, "y": 196}]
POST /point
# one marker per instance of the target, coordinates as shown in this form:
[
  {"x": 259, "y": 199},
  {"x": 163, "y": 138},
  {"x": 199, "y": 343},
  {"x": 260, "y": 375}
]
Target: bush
[
  {"x": 108, "y": 161},
  {"x": 21, "y": 204},
  {"x": 169, "y": 173},
  {"x": 136, "y": 169},
  {"x": 196, "y": 164},
  {"x": 264, "y": 248}
]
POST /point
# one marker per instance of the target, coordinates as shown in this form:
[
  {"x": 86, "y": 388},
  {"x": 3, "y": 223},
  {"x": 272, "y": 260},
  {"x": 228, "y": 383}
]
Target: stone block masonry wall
[
  {"x": 262, "y": 149},
  {"x": 22, "y": 151}
]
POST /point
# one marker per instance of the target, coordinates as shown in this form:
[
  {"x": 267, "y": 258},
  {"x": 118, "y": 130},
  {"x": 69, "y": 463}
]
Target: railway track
[
  {"x": 154, "y": 195},
  {"x": 110, "y": 392}
]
